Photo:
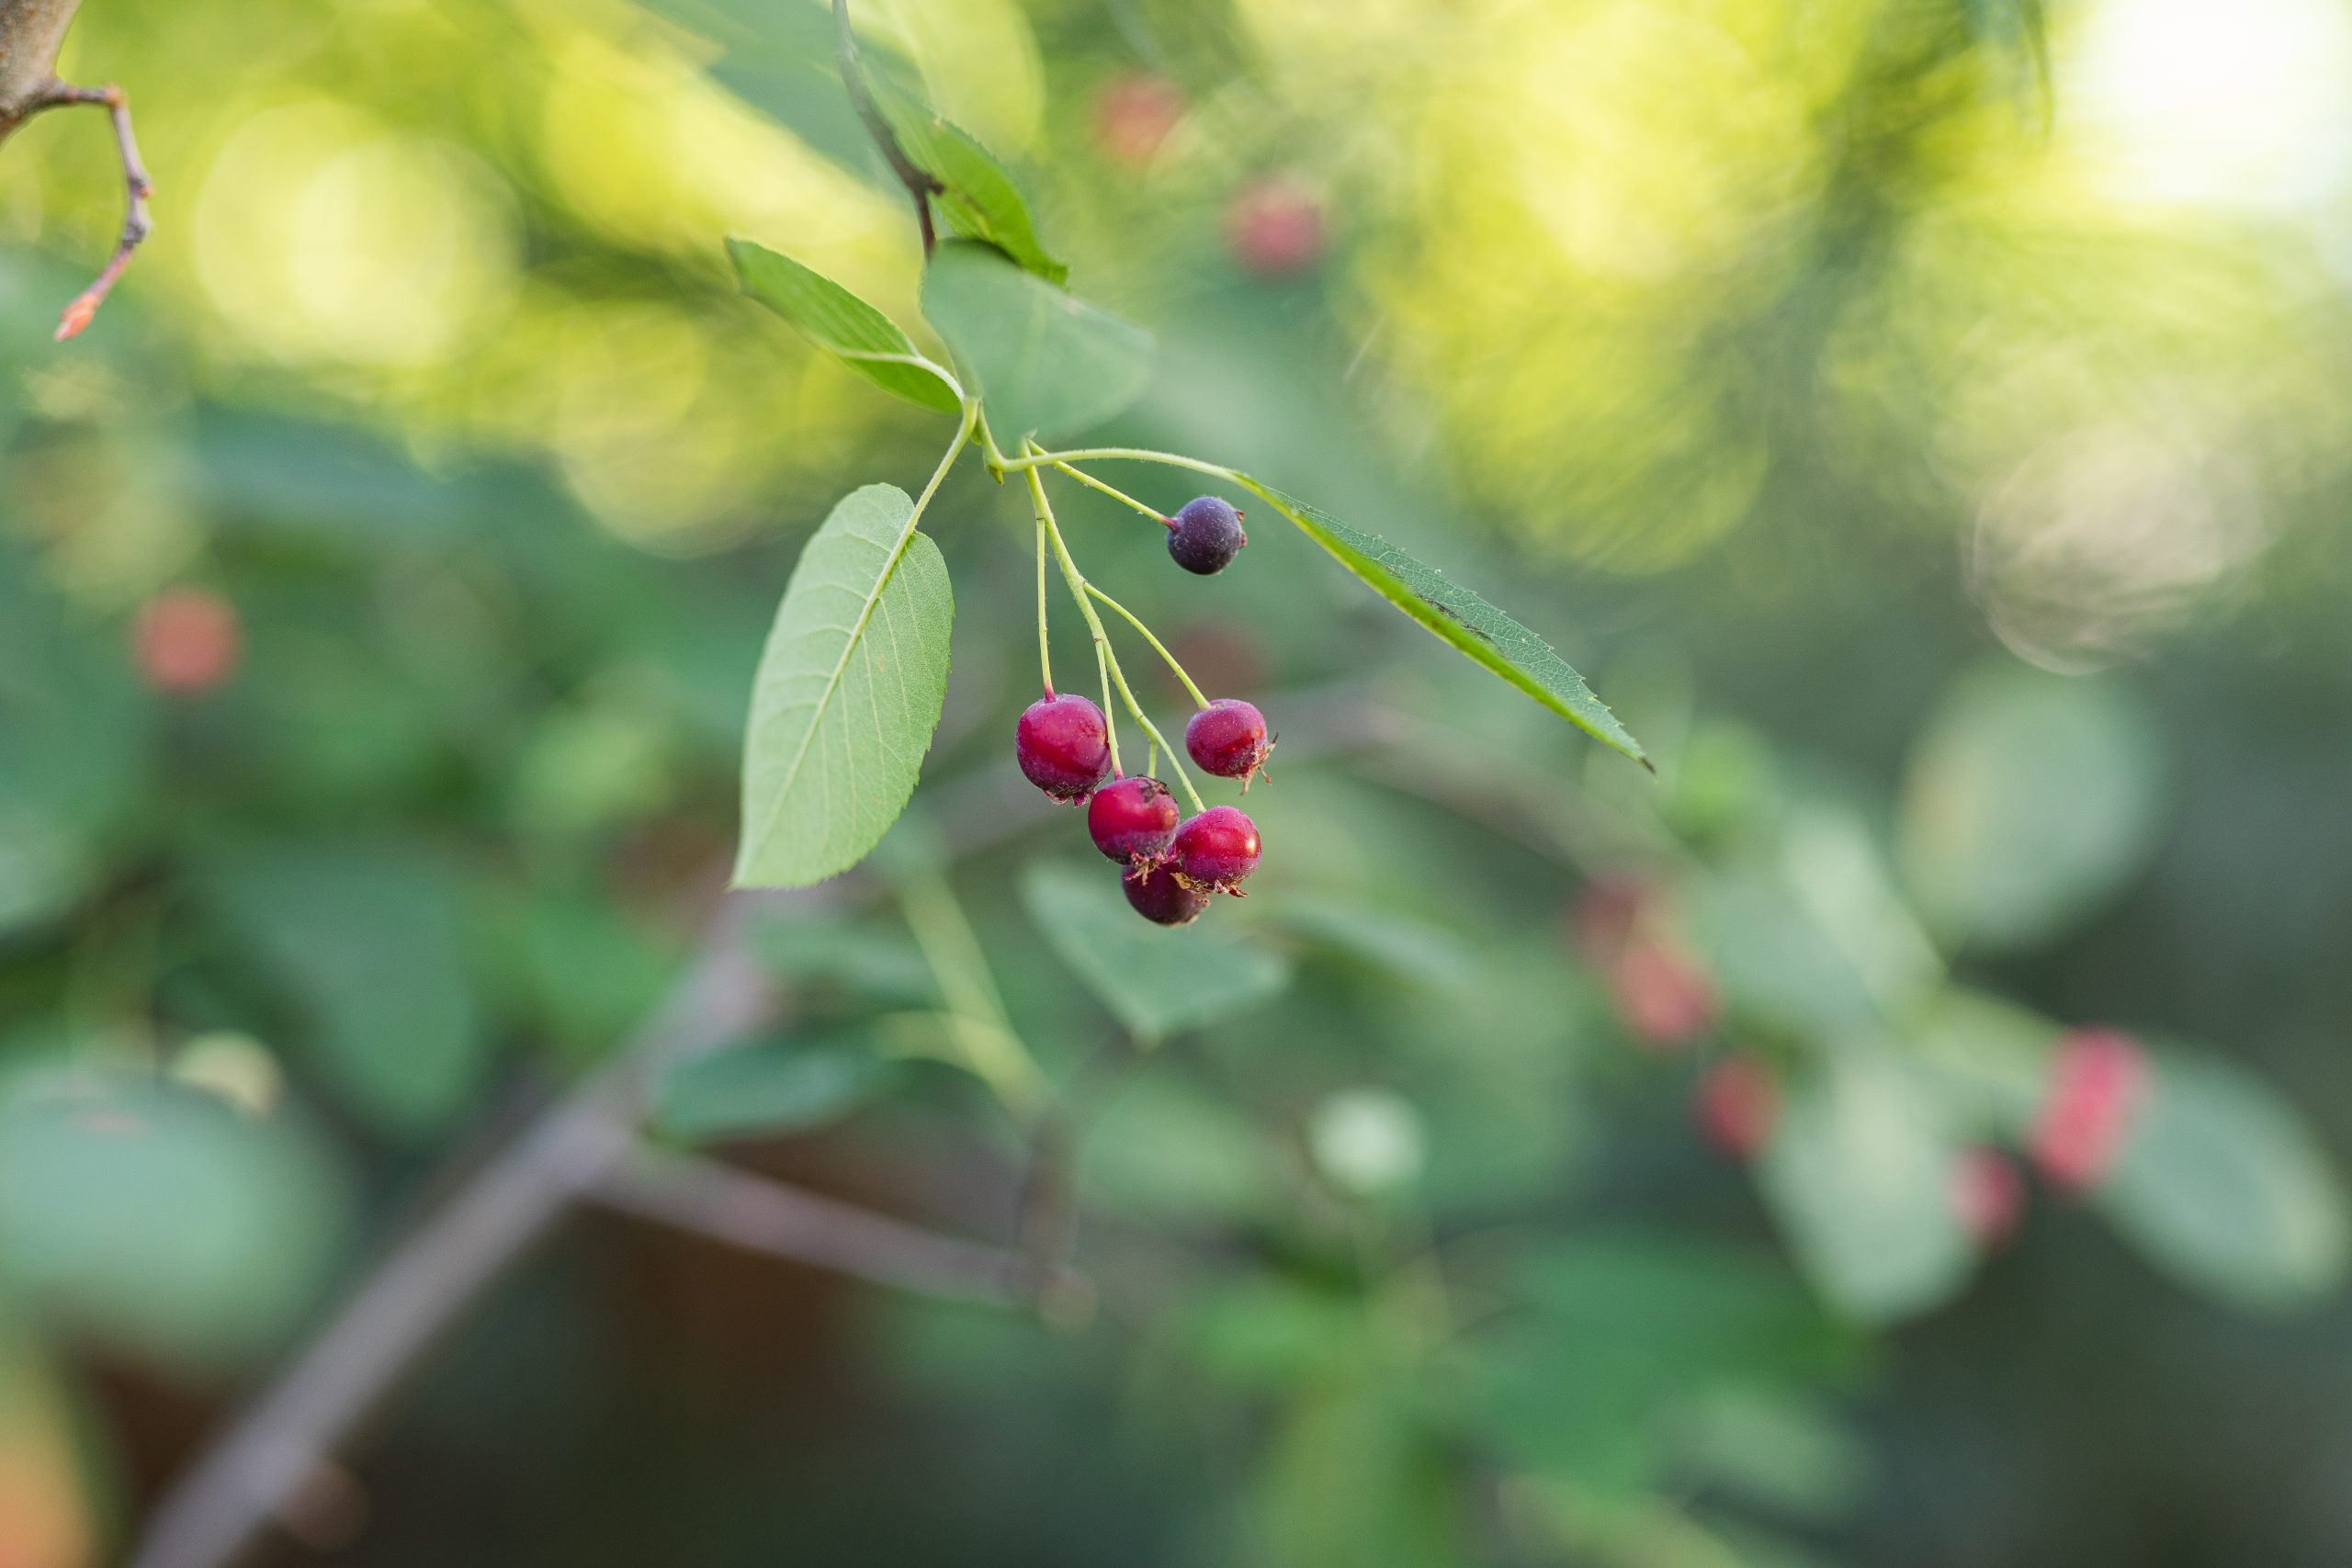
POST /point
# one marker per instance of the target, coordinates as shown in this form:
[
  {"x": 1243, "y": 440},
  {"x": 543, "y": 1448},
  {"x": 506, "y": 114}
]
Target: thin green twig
[{"x": 1129, "y": 615}]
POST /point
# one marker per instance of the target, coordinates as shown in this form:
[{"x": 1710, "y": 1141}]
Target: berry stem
[
  {"x": 1076, "y": 583},
  {"x": 1045, "y": 648},
  {"x": 1079, "y": 589},
  {"x": 1198, "y": 700},
  {"x": 1137, "y": 453},
  {"x": 1082, "y": 477}
]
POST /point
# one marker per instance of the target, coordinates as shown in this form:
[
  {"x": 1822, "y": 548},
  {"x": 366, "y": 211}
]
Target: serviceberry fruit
[
  {"x": 1063, "y": 746},
  {"x": 2098, "y": 1078},
  {"x": 186, "y": 640},
  {"x": 1229, "y": 738},
  {"x": 1161, "y": 895},
  {"x": 1132, "y": 819},
  {"x": 1216, "y": 849},
  {"x": 1204, "y": 536}
]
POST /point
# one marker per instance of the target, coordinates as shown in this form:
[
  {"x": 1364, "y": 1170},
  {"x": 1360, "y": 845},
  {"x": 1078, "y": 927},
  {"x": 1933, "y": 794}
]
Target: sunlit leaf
[
  {"x": 1044, "y": 363},
  {"x": 848, "y": 693},
  {"x": 770, "y": 1088},
  {"x": 1859, "y": 1173},
  {"x": 1461, "y": 617},
  {"x": 2222, "y": 1186},
  {"x": 844, "y": 325},
  {"x": 158, "y": 1217},
  {"x": 977, "y": 200},
  {"x": 364, "y": 945},
  {"x": 2029, "y": 801},
  {"x": 1155, "y": 981}
]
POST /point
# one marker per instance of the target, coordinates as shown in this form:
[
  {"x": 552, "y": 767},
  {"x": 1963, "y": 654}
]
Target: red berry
[
  {"x": 1662, "y": 998},
  {"x": 1737, "y": 1104},
  {"x": 1216, "y": 849},
  {"x": 1134, "y": 116},
  {"x": 1132, "y": 819},
  {"x": 1063, "y": 746},
  {"x": 186, "y": 640},
  {"x": 1987, "y": 1194},
  {"x": 1274, "y": 226},
  {"x": 2095, "y": 1082},
  {"x": 1162, "y": 896},
  {"x": 1229, "y": 738}
]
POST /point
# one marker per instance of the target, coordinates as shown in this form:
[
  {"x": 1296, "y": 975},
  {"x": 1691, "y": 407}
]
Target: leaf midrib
[{"x": 841, "y": 665}]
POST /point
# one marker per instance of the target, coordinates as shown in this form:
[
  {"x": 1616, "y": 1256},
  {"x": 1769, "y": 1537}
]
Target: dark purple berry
[
  {"x": 1229, "y": 738},
  {"x": 1160, "y": 897},
  {"x": 1063, "y": 747},
  {"x": 1132, "y": 819},
  {"x": 1206, "y": 535},
  {"x": 1216, "y": 849}
]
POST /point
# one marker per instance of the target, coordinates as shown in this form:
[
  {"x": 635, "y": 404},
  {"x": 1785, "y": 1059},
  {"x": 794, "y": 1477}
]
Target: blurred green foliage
[{"x": 1947, "y": 495}]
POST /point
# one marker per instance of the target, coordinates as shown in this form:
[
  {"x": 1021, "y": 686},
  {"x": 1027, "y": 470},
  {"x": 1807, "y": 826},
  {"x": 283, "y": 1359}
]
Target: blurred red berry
[
  {"x": 1737, "y": 1104},
  {"x": 1662, "y": 997},
  {"x": 1134, "y": 114},
  {"x": 1274, "y": 226},
  {"x": 2097, "y": 1079},
  {"x": 186, "y": 640},
  {"x": 1987, "y": 1194},
  {"x": 1602, "y": 920}
]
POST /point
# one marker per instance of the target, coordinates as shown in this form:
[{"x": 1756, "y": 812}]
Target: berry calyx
[
  {"x": 1216, "y": 850},
  {"x": 1160, "y": 896},
  {"x": 1229, "y": 738},
  {"x": 1063, "y": 746},
  {"x": 186, "y": 640},
  {"x": 1204, "y": 536},
  {"x": 1132, "y": 819}
]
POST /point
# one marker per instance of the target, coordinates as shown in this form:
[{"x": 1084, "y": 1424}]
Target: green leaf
[
  {"x": 770, "y": 1088},
  {"x": 1382, "y": 940},
  {"x": 848, "y": 693},
  {"x": 844, "y": 325},
  {"x": 158, "y": 1217},
  {"x": 977, "y": 200},
  {"x": 365, "y": 945},
  {"x": 2029, "y": 800},
  {"x": 1155, "y": 981},
  {"x": 1461, "y": 617},
  {"x": 1859, "y": 1173},
  {"x": 2222, "y": 1186},
  {"x": 1043, "y": 362}
]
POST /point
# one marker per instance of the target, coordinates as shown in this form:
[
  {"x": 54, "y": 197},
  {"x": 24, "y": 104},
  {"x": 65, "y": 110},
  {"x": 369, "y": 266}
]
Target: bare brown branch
[{"x": 30, "y": 34}]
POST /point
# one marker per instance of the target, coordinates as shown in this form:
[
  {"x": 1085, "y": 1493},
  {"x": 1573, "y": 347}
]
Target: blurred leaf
[
  {"x": 2029, "y": 800},
  {"x": 978, "y": 200},
  {"x": 1380, "y": 940},
  {"x": 579, "y": 968},
  {"x": 1042, "y": 362},
  {"x": 771, "y": 1087},
  {"x": 1622, "y": 1336},
  {"x": 73, "y": 741},
  {"x": 1164, "y": 1154},
  {"x": 1775, "y": 1451},
  {"x": 844, "y": 325},
  {"x": 1259, "y": 1332},
  {"x": 1775, "y": 964},
  {"x": 848, "y": 693},
  {"x": 367, "y": 946},
  {"x": 868, "y": 959},
  {"x": 158, "y": 1217},
  {"x": 1990, "y": 1057},
  {"x": 1355, "y": 1478},
  {"x": 1457, "y": 616},
  {"x": 1156, "y": 981},
  {"x": 1859, "y": 1173},
  {"x": 2222, "y": 1185}
]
